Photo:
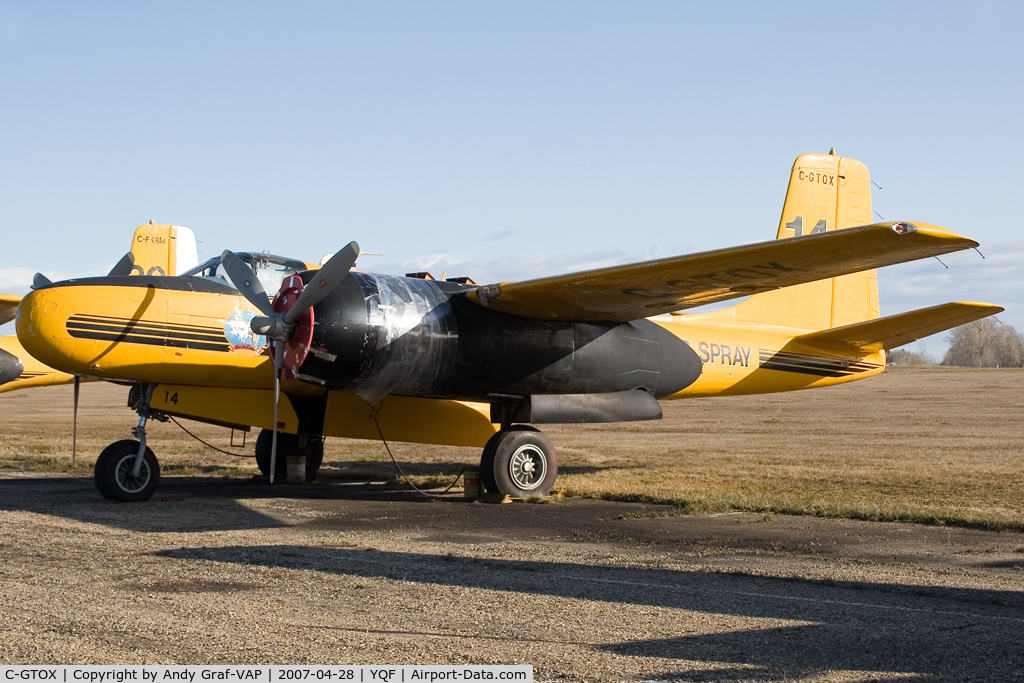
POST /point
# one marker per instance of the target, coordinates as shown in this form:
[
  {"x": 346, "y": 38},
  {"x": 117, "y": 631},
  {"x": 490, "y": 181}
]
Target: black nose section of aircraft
[
  {"x": 10, "y": 367},
  {"x": 679, "y": 366}
]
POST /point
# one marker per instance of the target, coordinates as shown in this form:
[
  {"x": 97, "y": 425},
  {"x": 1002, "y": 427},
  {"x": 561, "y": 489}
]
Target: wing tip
[{"x": 981, "y": 305}]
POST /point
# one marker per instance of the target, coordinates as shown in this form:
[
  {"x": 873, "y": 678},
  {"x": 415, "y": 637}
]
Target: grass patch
[
  {"x": 681, "y": 505},
  {"x": 45, "y": 463},
  {"x": 188, "y": 469}
]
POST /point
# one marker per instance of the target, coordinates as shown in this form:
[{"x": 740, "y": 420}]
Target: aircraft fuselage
[
  {"x": 374, "y": 335},
  {"x": 377, "y": 335}
]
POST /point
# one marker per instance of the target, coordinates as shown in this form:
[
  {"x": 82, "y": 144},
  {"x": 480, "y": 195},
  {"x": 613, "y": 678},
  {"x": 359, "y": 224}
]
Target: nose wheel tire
[
  {"x": 519, "y": 461},
  {"x": 114, "y": 477},
  {"x": 310, "y": 446}
]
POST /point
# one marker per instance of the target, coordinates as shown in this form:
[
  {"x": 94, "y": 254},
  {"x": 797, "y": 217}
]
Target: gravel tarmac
[{"x": 220, "y": 571}]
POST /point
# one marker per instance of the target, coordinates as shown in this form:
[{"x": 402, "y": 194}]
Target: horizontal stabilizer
[
  {"x": 903, "y": 328},
  {"x": 640, "y": 290},
  {"x": 8, "y": 305}
]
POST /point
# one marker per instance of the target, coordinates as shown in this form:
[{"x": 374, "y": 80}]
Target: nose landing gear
[
  {"x": 119, "y": 478},
  {"x": 128, "y": 470}
]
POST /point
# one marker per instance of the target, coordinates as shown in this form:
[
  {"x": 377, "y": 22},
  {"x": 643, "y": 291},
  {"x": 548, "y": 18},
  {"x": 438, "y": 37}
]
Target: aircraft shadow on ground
[
  {"x": 203, "y": 504},
  {"x": 930, "y": 631},
  {"x": 78, "y": 499}
]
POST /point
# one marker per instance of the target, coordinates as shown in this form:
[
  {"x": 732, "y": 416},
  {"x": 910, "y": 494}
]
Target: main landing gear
[
  {"x": 127, "y": 470},
  {"x": 310, "y": 447},
  {"x": 518, "y": 461}
]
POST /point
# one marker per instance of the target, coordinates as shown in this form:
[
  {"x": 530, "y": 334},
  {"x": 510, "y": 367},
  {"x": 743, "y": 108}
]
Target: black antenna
[
  {"x": 943, "y": 264},
  {"x": 880, "y": 217},
  {"x": 876, "y": 184},
  {"x": 979, "y": 252}
]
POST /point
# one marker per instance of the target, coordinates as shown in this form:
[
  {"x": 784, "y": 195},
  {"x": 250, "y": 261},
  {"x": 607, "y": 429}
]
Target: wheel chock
[{"x": 499, "y": 498}]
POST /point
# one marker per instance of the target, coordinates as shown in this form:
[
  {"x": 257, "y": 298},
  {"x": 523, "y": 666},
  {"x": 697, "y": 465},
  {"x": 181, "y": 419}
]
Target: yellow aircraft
[
  {"x": 156, "y": 250},
  {"x": 340, "y": 352}
]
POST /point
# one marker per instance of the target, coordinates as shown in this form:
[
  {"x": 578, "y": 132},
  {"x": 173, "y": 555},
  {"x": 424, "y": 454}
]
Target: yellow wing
[
  {"x": 903, "y": 328},
  {"x": 8, "y": 305},
  {"x": 640, "y": 290}
]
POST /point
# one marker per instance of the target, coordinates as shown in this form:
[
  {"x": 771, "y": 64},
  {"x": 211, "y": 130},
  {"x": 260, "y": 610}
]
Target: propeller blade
[
  {"x": 278, "y": 367},
  {"x": 324, "y": 281},
  {"x": 40, "y": 280},
  {"x": 246, "y": 282},
  {"x": 124, "y": 266},
  {"x": 74, "y": 422}
]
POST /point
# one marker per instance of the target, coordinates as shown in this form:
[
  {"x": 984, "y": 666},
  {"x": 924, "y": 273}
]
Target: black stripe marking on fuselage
[
  {"x": 85, "y": 323},
  {"x": 121, "y": 330},
  {"x": 812, "y": 365}
]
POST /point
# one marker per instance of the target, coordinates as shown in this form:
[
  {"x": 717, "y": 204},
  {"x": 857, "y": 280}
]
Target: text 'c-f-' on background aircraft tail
[{"x": 160, "y": 249}]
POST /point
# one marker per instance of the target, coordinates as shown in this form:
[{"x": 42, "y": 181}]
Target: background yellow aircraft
[
  {"x": 371, "y": 356},
  {"x": 156, "y": 249}
]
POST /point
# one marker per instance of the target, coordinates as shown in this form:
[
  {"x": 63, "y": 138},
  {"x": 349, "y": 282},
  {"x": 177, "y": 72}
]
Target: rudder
[{"x": 826, "y": 192}]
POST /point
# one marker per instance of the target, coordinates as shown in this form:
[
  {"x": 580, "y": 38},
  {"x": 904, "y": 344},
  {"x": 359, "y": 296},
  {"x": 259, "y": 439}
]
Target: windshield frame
[{"x": 257, "y": 261}]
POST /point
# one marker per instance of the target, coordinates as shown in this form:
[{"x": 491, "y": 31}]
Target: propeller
[
  {"x": 279, "y": 326},
  {"x": 74, "y": 423},
  {"x": 124, "y": 266}
]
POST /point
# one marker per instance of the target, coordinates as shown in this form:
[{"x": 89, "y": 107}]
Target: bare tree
[
  {"x": 909, "y": 358},
  {"x": 985, "y": 344}
]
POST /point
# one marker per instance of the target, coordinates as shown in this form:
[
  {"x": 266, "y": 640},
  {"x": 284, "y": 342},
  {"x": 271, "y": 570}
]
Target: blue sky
[{"x": 503, "y": 140}]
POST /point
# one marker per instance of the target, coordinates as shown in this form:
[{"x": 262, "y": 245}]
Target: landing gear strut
[
  {"x": 127, "y": 470},
  {"x": 519, "y": 461}
]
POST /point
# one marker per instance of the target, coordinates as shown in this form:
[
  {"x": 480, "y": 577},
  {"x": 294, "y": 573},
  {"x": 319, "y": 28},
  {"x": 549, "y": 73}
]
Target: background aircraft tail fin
[
  {"x": 826, "y": 192},
  {"x": 163, "y": 249}
]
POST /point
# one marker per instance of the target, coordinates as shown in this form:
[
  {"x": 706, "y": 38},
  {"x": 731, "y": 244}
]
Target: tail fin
[
  {"x": 826, "y": 192},
  {"x": 163, "y": 249}
]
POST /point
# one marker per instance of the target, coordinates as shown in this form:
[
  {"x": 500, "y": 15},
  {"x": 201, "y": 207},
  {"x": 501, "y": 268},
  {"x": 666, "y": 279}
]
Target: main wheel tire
[
  {"x": 310, "y": 446},
  {"x": 519, "y": 461},
  {"x": 113, "y": 472},
  {"x": 313, "y": 448}
]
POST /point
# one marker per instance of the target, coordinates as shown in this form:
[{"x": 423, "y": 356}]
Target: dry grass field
[{"x": 933, "y": 445}]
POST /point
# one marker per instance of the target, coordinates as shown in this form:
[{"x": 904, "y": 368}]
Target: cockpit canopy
[{"x": 271, "y": 270}]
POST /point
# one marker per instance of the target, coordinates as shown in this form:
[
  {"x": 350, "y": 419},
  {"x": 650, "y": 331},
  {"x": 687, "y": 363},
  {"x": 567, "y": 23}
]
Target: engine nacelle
[{"x": 377, "y": 335}]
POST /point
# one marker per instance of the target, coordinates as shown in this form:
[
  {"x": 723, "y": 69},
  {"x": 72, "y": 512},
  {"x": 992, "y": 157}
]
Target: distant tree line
[
  {"x": 982, "y": 344},
  {"x": 911, "y": 359},
  {"x": 985, "y": 344}
]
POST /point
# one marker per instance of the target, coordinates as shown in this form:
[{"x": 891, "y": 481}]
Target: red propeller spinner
[{"x": 296, "y": 347}]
